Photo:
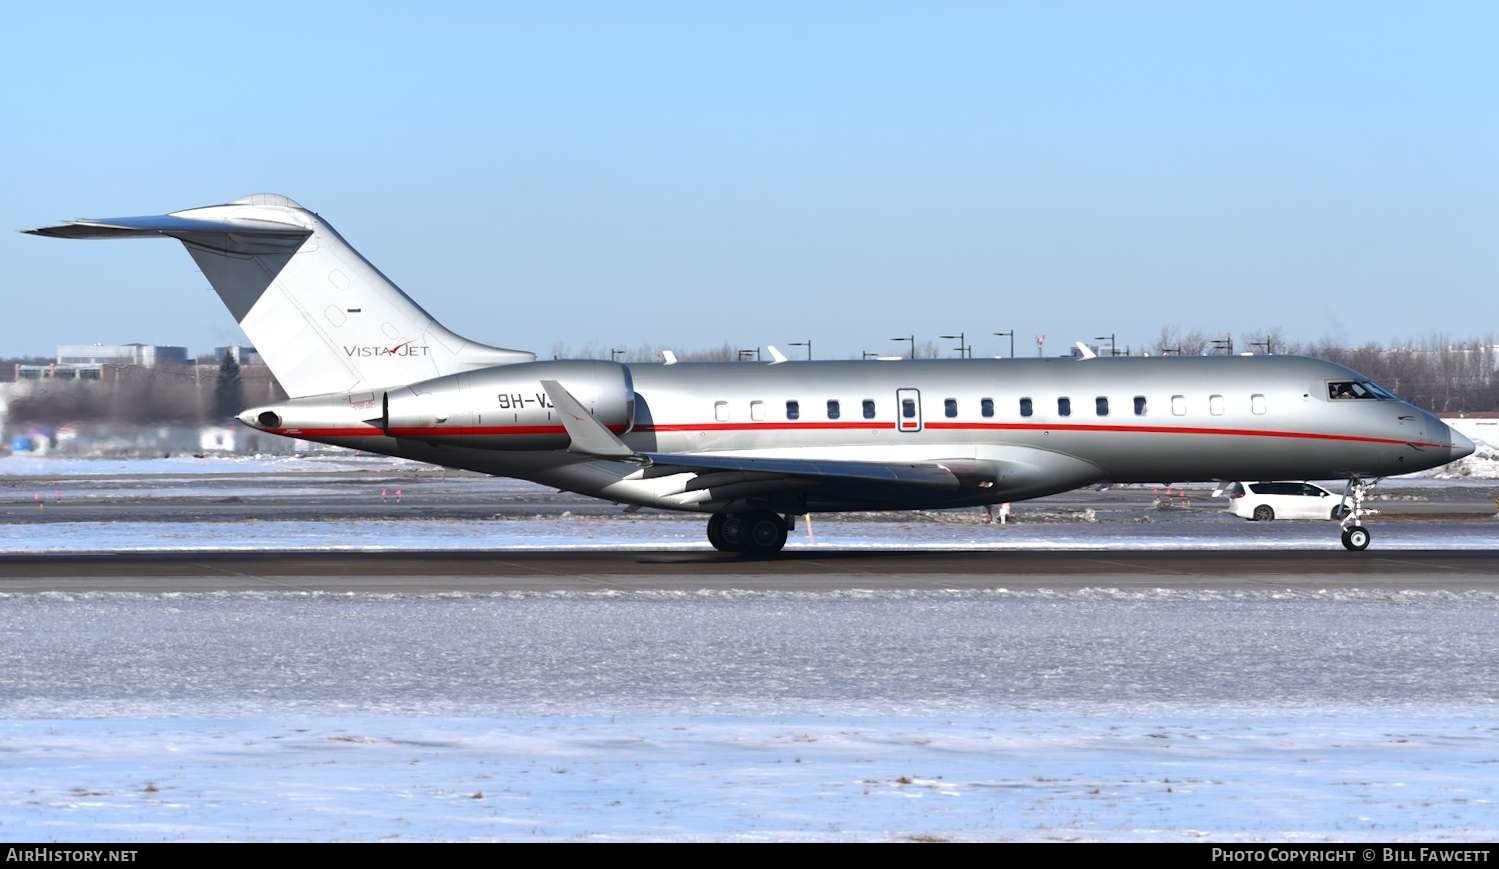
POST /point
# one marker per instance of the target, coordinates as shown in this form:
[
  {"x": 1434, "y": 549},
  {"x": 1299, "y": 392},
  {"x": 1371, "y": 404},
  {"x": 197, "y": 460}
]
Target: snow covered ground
[
  {"x": 1036, "y": 777},
  {"x": 1093, "y": 714}
]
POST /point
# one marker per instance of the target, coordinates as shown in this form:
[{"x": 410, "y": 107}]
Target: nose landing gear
[
  {"x": 1355, "y": 536},
  {"x": 759, "y": 532}
]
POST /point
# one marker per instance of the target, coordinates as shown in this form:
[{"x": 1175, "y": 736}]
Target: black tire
[
  {"x": 715, "y": 532},
  {"x": 1340, "y": 512},
  {"x": 1356, "y": 538},
  {"x": 767, "y": 533},
  {"x": 1264, "y": 513},
  {"x": 733, "y": 532}
]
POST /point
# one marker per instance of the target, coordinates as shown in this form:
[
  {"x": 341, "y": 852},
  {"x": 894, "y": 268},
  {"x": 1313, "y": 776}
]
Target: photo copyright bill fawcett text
[{"x": 1351, "y": 855}]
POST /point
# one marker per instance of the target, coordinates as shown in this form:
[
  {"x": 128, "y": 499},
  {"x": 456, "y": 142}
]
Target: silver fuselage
[{"x": 1161, "y": 420}]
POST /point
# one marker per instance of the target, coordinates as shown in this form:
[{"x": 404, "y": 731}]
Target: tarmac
[{"x": 499, "y": 571}]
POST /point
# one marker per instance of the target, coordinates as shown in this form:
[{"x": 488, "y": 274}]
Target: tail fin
[{"x": 321, "y": 316}]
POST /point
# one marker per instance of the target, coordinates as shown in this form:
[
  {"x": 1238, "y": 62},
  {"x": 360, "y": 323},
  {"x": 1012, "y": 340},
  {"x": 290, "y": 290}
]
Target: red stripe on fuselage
[
  {"x": 762, "y": 426},
  {"x": 1166, "y": 429},
  {"x": 485, "y": 431}
]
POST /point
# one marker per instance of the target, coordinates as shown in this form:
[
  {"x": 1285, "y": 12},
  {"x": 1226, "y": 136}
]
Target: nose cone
[{"x": 1461, "y": 446}]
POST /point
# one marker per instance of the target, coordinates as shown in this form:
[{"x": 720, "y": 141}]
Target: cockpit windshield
[{"x": 1354, "y": 390}]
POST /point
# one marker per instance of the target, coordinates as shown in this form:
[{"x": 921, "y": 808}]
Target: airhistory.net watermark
[{"x": 67, "y": 855}]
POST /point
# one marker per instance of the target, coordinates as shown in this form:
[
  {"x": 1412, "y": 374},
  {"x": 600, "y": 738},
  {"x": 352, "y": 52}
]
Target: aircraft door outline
[{"x": 908, "y": 410}]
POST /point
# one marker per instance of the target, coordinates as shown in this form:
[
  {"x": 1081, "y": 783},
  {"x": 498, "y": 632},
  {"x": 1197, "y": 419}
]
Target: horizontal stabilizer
[{"x": 168, "y": 225}]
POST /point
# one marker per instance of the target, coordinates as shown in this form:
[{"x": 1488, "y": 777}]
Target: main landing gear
[
  {"x": 759, "y": 532},
  {"x": 1355, "y": 536}
]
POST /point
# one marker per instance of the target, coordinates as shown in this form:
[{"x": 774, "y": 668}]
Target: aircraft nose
[{"x": 1461, "y": 446}]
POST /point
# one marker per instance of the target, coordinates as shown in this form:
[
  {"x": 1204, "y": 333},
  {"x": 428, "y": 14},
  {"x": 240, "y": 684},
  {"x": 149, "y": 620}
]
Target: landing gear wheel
[
  {"x": 1263, "y": 513},
  {"x": 767, "y": 533},
  {"x": 758, "y": 533},
  {"x": 715, "y": 532},
  {"x": 733, "y": 532},
  {"x": 1355, "y": 536}
]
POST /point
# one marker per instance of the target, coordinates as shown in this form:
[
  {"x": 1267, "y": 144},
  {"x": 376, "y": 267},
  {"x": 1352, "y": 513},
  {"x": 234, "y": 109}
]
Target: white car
[{"x": 1265, "y": 501}]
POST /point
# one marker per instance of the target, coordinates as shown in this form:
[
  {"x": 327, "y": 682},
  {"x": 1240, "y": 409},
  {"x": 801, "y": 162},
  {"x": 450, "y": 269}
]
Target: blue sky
[{"x": 691, "y": 173}]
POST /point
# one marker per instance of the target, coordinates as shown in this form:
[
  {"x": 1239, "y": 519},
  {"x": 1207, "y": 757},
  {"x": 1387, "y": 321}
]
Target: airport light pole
[
  {"x": 1168, "y": 351},
  {"x": 1010, "y": 333},
  {"x": 1113, "y": 348},
  {"x": 912, "y": 339},
  {"x": 1226, "y": 343},
  {"x": 807, "y": 344},
  {"x": 962, "y": 344},
  {"x": 1268, "y": 344},
  {"x": 615, "y": 353},
  {"x": 746, "y": 354}
]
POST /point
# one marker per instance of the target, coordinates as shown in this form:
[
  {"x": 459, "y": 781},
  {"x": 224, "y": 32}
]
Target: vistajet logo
[{"x": 405, "y": 348}]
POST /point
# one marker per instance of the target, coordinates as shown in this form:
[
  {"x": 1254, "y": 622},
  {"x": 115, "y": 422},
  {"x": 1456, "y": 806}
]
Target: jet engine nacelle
[{"x": 506, "y": 407}]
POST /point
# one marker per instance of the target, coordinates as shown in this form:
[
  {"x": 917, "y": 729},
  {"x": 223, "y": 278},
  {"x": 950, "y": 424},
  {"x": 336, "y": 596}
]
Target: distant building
[
  {"x": 143, "y": 355},
  {"x": 242, "y": 355},
  {"x": 100, "y": 362},
  {"x": 65, "y": 371}
]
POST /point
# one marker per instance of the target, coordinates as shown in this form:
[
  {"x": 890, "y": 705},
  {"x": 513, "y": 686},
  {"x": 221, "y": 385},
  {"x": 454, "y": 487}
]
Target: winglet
[
  {"x": 1084, "y": 351},
  {"x": 589, "y": 436},
  {"x": 776, "y": 356}
]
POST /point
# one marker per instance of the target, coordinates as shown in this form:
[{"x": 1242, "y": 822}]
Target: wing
[
  {"x": 1021, "y": 472},
  {"x": 590, "y": 437}
]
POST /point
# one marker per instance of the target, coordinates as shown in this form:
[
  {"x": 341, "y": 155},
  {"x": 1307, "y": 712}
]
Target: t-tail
[{"x": 322, "y": 317}]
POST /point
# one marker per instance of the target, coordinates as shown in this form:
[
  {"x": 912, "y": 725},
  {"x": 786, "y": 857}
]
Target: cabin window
[
  {"x": 1026, "y": 409},
  {"x": 1215, "y": 405},
  {"x": 908, "y": 408},
  {"x": 1140, "y": 405},
  {"x": 793, "y": 410},
  {"x": 950, "y": 407},
  {"x": 757, "y": 410},
  {"x": 1101, "y": 405},
  {"x": 986, "y": 407},
  {"x": 721, "y": 410},
  {"x": 1064, "y": 407},
  {"x": 1178, "y": 405},
  {"x": 1257, "y": 403},
  {"x": 833, "y": 411},
  {"x": 869, "y": 408}
]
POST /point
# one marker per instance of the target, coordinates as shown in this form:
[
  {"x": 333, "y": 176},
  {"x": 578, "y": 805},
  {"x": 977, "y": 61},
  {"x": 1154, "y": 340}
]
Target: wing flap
[{"x": 934, "y": 475}]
